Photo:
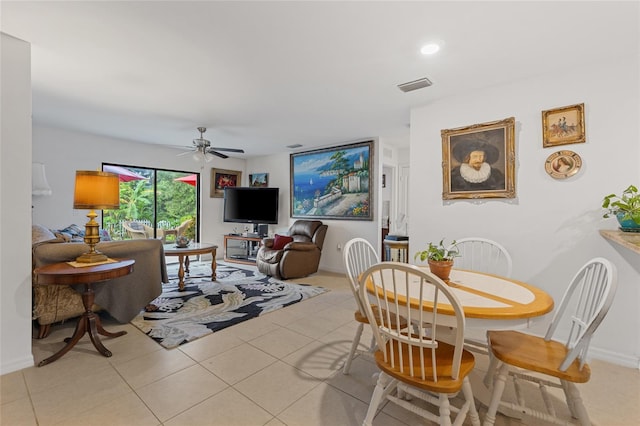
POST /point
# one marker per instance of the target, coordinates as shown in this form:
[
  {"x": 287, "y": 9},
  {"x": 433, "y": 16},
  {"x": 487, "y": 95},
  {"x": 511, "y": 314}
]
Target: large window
[{"x": 154, "y": 203}]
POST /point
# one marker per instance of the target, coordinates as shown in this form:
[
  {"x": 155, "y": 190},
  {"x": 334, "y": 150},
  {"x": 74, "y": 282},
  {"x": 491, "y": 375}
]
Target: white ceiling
[{"x": 264, "y": 75}]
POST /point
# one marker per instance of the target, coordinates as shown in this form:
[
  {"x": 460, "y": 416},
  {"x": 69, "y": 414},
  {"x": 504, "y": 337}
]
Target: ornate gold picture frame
[
  {"x": 220, "y": 179},
  {"x": 478, "y": 161},
  {"x": 562, "y": 126}
]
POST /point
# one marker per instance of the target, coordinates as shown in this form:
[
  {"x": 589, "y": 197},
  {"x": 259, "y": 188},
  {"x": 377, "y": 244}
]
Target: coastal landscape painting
[{"x": 332, "y": 183}]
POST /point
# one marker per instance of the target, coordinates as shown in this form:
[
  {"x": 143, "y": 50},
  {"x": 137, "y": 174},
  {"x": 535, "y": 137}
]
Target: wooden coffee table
[
  {"x": 183, "y": 254},
  {"x": 64, "y": 274}
]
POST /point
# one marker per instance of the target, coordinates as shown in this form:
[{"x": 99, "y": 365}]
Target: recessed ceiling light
[{"x": 430, "y": 49}]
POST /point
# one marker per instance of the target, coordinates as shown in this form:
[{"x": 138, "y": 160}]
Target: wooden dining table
[{"x": 492, "y": 301}]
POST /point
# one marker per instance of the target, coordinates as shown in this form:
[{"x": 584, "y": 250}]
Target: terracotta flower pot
[{"x": 441, "y": 268}]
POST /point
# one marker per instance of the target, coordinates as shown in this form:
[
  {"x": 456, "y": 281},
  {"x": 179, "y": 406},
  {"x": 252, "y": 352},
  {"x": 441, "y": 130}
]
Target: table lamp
[{"x": 95, "y": 190}]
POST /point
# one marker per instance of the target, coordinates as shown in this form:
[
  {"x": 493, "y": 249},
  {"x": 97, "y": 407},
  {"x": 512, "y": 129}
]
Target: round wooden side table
[{"x": 65, "y": 274}]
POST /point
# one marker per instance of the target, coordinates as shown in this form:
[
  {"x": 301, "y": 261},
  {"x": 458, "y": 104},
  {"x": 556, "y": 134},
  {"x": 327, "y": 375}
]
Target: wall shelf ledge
[{"x": 629, "y": 240}]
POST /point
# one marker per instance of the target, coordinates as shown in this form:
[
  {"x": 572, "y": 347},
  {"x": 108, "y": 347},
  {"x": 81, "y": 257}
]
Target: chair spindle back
[{"x": 406, "y": 292}]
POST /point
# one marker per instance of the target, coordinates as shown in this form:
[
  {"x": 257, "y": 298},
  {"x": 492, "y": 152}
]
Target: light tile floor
[{"x": 279, "y": 369}]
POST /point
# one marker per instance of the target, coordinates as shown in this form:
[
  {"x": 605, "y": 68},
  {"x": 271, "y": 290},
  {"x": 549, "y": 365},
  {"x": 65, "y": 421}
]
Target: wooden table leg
[
  {"x": 181, "y": 271},
  {"x": 213, "y": 265},
  {"x": 88, "y": 322}
]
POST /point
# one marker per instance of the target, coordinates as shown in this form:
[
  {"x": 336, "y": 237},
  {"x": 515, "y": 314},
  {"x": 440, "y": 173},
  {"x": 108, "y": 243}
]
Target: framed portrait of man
[{"x": 478, "y": 161}]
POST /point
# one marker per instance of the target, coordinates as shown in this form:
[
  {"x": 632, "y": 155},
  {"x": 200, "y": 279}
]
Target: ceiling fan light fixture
[{"x": 204, "y": 152}]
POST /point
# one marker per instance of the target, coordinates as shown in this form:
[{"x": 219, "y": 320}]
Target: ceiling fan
[{"x": 202, "y": 147}]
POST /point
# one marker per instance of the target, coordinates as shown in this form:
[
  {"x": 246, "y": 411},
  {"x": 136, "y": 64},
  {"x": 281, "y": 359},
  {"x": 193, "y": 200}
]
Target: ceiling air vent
[
  {"x": 415, "y": 85},
  {"x": 296, "y": 145}
]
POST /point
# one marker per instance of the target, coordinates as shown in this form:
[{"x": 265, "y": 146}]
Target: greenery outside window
[{"x": 154, "y": 203}]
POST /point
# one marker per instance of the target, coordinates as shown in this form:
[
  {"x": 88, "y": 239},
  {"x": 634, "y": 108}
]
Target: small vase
[
  {"x": 441, "y": 268},
  {"x": 627, "y": 225}
]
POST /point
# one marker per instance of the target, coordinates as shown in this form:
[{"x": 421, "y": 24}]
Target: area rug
[{"x": 205, "y": 306}]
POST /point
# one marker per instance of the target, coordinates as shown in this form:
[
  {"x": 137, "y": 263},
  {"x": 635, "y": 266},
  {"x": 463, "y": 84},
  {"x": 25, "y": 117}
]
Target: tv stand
[{"x": 239, "y": 249}]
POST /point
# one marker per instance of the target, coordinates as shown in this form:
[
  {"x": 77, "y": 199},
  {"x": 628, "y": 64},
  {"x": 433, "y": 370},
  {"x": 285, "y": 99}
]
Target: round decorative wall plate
[{"x": 562, "y": 164}]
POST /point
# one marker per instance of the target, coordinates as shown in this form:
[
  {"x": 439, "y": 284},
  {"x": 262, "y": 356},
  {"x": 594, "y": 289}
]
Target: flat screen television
[{"x": 251, "y": 205}]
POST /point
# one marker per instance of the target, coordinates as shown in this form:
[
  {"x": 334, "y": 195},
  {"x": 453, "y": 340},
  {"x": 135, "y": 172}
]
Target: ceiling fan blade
[
  {"x": 184, "y": 153},
  {"x": 219, "y": 154},
  {"x": 228, "y": 149}
]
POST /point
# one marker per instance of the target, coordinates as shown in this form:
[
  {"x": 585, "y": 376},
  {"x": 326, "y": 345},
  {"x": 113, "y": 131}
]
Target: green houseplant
[
  {"x": 439, "y": 257},
  {"x": 625, "y": 207}
]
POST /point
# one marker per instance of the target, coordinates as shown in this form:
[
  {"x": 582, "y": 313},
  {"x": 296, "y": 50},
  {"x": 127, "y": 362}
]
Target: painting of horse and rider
[{"x": 563, "y": 125}]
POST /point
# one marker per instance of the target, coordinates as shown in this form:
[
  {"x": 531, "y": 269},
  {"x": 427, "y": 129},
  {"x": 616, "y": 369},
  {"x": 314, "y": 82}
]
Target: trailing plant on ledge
[{"x": 626, "y": 205}]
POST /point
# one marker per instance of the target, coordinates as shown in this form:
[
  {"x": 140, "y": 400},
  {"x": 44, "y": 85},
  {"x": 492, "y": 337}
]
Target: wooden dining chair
[
  {"x": 554, "y": 363},
  {"x": 417, "y": 367},
  {"x": 488, "y": 256},
  {"x": 483, "y": 255},
  {"x": 358, "y": 255}
]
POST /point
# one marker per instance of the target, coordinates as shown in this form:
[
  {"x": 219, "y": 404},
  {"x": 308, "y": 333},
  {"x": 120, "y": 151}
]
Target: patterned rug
[{"x": 204, "y": 307}]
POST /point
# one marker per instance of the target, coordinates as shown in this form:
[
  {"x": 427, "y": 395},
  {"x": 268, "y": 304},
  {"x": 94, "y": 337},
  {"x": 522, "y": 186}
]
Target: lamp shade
[
  {"x": 39, "y": 184},
  {"x": 96, "y": 190}
]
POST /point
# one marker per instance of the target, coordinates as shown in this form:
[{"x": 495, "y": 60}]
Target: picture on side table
[
  {"x": 332, "y": 183},
  {"x": 220, "y": 179},
  {"x": 561, "y": 126},
  {"x": 478, "y": 161}
]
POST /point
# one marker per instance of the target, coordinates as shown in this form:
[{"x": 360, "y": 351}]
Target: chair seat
[
  {"x": 444, "y": 357},
  {"x": 535, "y": 354},
  {"x": 364, "y": 320}
]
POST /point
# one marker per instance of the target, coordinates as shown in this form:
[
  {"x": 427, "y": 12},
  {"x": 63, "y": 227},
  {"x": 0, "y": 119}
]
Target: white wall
[
  {"x": 64, "y": 151},
  {"x": 15, "y": 202},
  {"x": 551, "y": 228}
]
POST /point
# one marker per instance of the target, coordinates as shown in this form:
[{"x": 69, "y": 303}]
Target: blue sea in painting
[{"x": 305, "y": 185}]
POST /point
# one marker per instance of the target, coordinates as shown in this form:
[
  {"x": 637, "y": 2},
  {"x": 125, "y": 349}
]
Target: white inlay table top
[{"x": 486, "y": 296}]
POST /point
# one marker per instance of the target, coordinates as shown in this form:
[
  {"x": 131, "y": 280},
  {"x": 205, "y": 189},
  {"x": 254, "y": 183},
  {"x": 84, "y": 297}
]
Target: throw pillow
[
  {"x": 39, "y": 234},
  {"x": 279, "y": 241},
  {"x": 136, "y": 226},
  {"x": 62, "y": 236},
  {"x": 104, "y": 235},
  {"x": 73, "y": 230}
]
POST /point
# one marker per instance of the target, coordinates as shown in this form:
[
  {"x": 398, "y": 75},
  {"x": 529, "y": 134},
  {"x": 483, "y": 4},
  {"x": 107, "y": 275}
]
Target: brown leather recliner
[{"x": 298, "y": 258}]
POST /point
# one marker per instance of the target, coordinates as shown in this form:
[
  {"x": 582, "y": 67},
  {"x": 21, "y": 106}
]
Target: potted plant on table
[
  {"x": 625, "y": 207},
  {"x": 439, "y": 257}
]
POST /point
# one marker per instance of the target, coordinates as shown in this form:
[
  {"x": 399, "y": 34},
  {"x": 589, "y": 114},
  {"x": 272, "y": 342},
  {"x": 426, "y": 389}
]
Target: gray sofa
[{"x": 123, "y": 298}]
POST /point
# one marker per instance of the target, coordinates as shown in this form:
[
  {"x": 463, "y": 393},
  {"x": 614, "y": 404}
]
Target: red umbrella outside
[
  {"x": 190, "y": 179},
  {"x": 125, "y": 175}
]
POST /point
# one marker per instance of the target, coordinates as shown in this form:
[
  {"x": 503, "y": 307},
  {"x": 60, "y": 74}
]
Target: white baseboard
[
  {"x": 334, "y": 270},
  {"x": 614, "y": 358},
  {"x": 17, "y": 364}
]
